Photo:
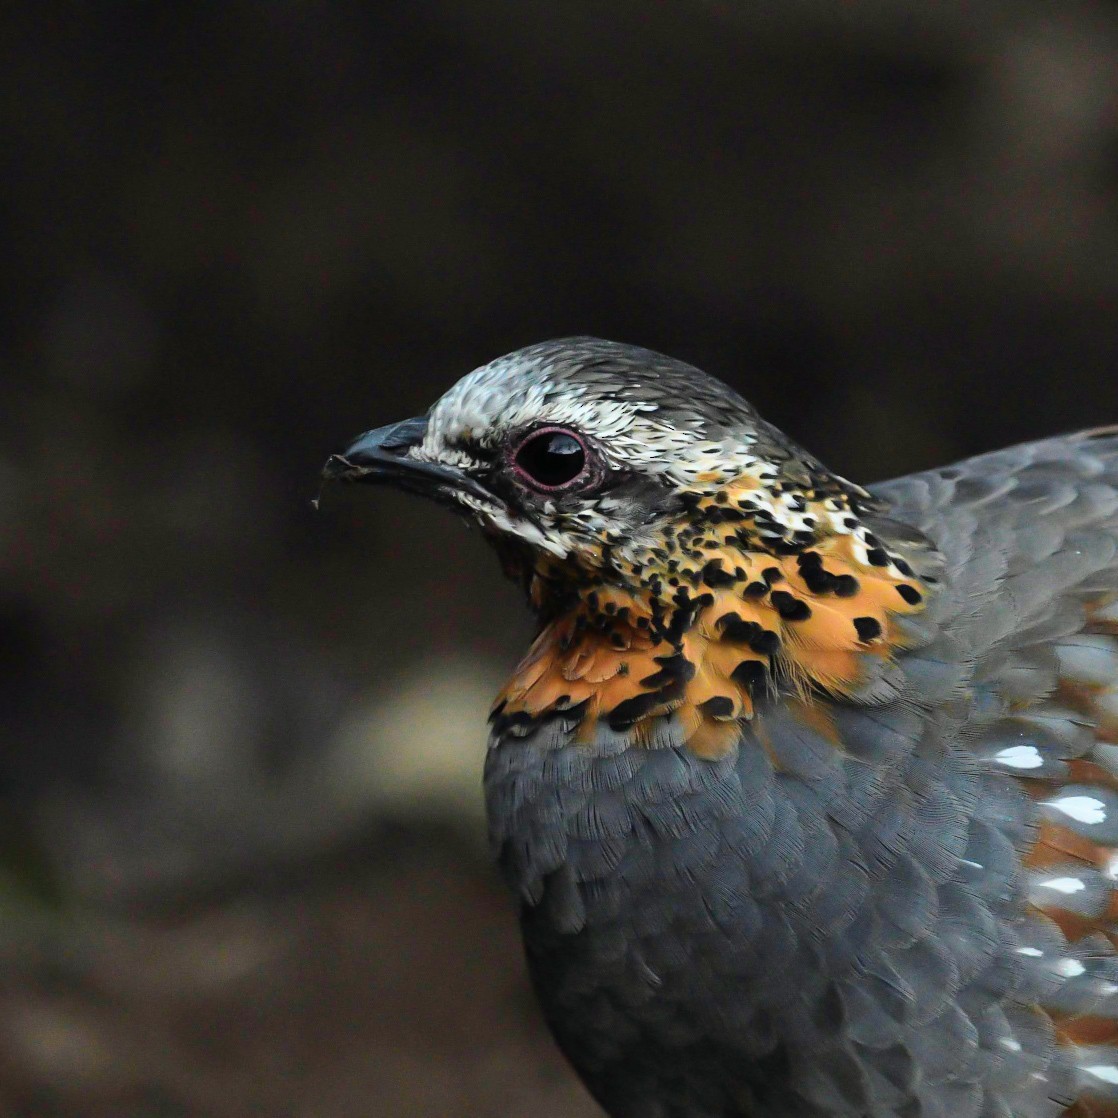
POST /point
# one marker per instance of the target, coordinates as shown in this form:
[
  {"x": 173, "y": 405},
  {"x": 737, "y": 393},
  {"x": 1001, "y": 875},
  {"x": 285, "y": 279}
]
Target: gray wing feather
[{"x": 1029, "y": 539}]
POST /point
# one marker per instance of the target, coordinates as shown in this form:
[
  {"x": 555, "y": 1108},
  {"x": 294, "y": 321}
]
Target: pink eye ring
[{"x": 551, "y": 459}]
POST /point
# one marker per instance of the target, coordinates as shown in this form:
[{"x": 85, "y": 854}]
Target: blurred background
[{"x": 242, "y": 868}]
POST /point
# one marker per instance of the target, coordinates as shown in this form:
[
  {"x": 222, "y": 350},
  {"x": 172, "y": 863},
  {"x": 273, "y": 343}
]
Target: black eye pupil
[{"x": 551, "y": 458}]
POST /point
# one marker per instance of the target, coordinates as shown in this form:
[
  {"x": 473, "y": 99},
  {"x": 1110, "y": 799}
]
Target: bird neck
[
  {"x": 735, "y": 597},
  {"x": 721, "y": 533}
]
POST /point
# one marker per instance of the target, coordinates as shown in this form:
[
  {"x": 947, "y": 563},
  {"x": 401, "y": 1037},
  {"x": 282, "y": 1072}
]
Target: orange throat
[{"x": 700, "y": 641}]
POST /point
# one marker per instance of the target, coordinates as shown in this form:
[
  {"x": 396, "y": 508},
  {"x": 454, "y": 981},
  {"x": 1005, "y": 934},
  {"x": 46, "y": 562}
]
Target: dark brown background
[{"x": 240, "y": 742}]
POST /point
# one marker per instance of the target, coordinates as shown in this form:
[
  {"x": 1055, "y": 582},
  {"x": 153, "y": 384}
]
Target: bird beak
[{"x": 381, "y": 456}]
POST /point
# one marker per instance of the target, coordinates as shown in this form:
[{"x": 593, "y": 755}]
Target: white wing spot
[
  {"x": 1020, "y": 757},
  {"x": 1065, "y": 885},
  {"x": 1083, "y": 809}
]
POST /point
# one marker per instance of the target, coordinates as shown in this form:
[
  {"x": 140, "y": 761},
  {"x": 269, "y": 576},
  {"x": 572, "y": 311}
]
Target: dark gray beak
[{"x": 382, "y": 456}]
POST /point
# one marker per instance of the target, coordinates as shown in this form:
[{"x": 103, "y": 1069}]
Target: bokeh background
[{"x": 240, "y": 741}]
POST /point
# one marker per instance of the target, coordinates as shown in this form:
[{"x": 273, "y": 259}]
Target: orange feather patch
[{"x": 628, "y": 658}]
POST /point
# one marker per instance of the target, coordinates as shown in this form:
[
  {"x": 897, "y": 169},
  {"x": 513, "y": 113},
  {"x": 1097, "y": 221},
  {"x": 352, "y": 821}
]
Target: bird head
[
  {"x": 648, "y": 508},
  {"x": 585, "y": 459}
]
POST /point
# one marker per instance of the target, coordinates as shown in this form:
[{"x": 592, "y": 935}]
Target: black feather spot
[
  {"x": 633, "y": 710},
  {"x": 673, "y": 669},
  {"x": 719, "y": 707},
  {"x": 766, "y": 642},
  {"x": 518, "y": 722},
  {"x": 714, "y": 575},
  {"x": 737, "y": 631},
  {"x": 791, "y": 609},
  {"x": 910, "y": 594},
  {"x": 817, "y": 580},
  {"x": 749, "y": 674},
  {"x": 869, "y": 628}
]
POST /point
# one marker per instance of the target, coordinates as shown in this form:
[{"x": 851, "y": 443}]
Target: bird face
[
  {"x": 582, "y": 454},
  {"x": 555, "y": 448}
]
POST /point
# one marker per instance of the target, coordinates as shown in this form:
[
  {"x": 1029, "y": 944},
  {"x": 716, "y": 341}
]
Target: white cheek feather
[{"x": 514, "y": 526}]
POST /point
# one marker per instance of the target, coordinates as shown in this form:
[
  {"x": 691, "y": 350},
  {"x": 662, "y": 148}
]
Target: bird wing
[{"x": 1020, "y": 667}]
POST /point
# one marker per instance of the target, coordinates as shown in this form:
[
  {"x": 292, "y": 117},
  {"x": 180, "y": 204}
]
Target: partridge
[{"x": 807, "y": 793}]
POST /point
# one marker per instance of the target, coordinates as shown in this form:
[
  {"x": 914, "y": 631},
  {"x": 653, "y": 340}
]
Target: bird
[{"x": 806, "y": 793}]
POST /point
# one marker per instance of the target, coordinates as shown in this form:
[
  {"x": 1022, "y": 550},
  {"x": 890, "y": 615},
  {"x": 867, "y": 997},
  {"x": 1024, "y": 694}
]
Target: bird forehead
[
  {"x": 508, "y": 396},
  {"x": 633, "y": 419}
]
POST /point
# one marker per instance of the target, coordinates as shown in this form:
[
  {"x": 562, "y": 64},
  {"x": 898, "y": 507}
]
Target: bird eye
[{"x": 551, "y": 458}]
